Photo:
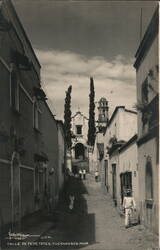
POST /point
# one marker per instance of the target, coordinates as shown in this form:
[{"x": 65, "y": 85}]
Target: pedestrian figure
[
  {"x": 80, "y": 174},
  {"x": 96, "y": 175},
  {"x": 129, "y": 205},
  {"x": 84, "y": 174},
  {"x": 71, "y": 195},
  {"x": 71, "y": 203},
  {"x": 72, "y": 190}
]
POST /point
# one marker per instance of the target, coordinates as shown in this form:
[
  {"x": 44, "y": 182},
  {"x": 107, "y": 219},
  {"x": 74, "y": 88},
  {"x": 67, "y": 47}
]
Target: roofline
[
  {"x": 23, "y": 31},
  {"x": 79, "y": 112},
  {"x": 114, "y": 113},
  {"x": 61, "y": 124},
  {"x": 148, "y": 38},
  {"x": 52, "y": 115},
  {"x": 131, "y": 111},
  {"x": 128, "y": 143}
]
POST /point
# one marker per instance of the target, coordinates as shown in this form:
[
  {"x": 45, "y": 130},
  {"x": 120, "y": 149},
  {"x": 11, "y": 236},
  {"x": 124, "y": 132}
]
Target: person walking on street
[
  {"x": 129, "y": 205},
  {"x": 72, "y": 190},
  {"x": 96, "y": 175},
  {"x": 84, "y": 174},
  {"x": 80, "y": 174}
]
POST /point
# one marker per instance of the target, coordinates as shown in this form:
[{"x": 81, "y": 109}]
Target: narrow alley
[
  {"x": 94, "y": 224},
  {"x": 79, "y": 125}
]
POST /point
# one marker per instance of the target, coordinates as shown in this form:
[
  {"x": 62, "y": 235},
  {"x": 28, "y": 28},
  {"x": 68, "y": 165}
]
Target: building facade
[
  {"x": 121, "y": 127},
  {"x": 28, "y": 130},
  {"x": 147, "y": 73},
  {"x": 79, "y": 142},
  {"x": 49, "y": 147},
  {"x": 128, "y": 170}
]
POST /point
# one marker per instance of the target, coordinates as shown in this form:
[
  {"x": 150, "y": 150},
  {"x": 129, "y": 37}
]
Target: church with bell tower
[{"x": 80, "y": 148}]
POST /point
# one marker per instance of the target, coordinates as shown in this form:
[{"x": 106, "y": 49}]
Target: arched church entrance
[{"x": 79, "y": 151}]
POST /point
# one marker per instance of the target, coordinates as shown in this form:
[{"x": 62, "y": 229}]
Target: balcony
[
  {"x": 114, "y": 144},
  {"x": 39, "y": 94},
  {"x": 20, "y": 60}
]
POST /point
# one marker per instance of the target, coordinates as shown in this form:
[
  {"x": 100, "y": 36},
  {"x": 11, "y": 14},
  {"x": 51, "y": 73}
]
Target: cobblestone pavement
[
  {"x": 110, "y": 232},
  {"x": 94, "y": 224}
]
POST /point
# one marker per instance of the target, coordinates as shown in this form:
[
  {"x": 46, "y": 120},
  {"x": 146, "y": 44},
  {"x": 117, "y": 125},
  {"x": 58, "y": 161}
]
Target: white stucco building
[
  {"x": 121, "y": 127},
  {"x": 79, "y": 141},
  {"x": 147, "y": 73},
  {"x": 128, "y": 170}
]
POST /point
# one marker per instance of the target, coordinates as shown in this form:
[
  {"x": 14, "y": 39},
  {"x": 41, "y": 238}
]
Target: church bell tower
[{"x": 102, "y": 114}]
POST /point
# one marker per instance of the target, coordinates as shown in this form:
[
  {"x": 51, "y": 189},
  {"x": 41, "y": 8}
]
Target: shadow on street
[
  {"x": 74, "y": 229},
  {"x": 67, "y": 229}
]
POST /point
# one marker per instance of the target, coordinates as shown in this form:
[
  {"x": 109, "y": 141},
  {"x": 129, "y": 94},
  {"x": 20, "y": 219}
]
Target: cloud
[{"x": 114, "y": 79}]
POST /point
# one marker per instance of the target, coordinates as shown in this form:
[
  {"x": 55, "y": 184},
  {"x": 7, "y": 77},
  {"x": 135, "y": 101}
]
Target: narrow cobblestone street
[
  {"x": 94, "y": 224},
  {"x": 79, "y": 125}
]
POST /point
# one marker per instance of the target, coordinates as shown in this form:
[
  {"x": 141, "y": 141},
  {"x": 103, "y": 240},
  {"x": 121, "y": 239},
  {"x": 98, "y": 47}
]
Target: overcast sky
[{"x": 74, "y": 40}]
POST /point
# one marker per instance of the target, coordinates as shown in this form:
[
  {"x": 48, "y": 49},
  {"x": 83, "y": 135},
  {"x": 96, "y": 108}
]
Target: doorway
[
  {"x": 79, "y": 151},
  {"x": 114, "y": 183},
  {"x": 125, "y": 182},
  {"x": 106, "y": 174},
  {"x": 149, "y": 192}
]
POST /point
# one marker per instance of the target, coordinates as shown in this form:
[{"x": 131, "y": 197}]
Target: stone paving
[
  {"x": 110, "y": 232},
  {"x": 94, "y": 224}
]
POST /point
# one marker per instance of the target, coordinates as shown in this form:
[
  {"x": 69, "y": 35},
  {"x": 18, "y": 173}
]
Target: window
[
  {"x": 128, "y": 180},
  {"x": 79, "y": 129},
  {"x": 36, "y": 115},
  {"x": 14, "y": 91}
]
